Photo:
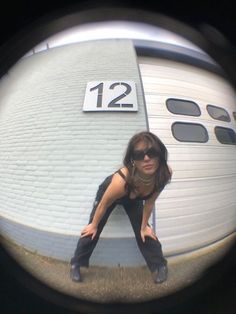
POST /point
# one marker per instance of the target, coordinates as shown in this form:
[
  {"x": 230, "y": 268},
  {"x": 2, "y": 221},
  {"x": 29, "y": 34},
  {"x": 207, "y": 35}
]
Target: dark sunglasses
[{"x": 140, "y": 154}]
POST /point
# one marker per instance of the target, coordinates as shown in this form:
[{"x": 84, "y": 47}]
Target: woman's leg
[
  {"x": 151, "y": 249},
  {"x": 86, "y": 245}
]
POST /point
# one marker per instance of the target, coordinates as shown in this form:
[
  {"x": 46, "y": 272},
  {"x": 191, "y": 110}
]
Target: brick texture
[{"x": 52, "y": 154}]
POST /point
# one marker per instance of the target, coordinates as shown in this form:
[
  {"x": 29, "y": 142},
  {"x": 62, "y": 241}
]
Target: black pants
[{"x": 151, "y": 249}]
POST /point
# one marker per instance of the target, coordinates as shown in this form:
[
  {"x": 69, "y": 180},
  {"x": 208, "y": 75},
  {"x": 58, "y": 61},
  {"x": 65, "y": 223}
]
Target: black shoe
[
  {"x": 160, "y": 275},
  {"x": 75, "y": 273}
]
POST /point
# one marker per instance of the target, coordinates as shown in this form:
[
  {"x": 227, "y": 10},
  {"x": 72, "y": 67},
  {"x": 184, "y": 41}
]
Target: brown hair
[{"x": 163, "y": 175}]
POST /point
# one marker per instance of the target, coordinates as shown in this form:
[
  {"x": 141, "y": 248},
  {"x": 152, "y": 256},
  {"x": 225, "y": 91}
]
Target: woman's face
[{"x": 148, "y": 165}]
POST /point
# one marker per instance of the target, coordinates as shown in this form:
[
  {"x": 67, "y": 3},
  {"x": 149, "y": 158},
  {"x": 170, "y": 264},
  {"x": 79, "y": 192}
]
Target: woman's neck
[{"x": 145, "y": 179}]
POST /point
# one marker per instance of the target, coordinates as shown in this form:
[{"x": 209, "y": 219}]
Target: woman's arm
[
  {"x": 147, "y": 210},
  {"x": 115, "y": 190}
]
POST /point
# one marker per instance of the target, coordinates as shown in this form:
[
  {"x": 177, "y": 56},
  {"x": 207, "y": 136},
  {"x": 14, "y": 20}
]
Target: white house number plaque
[{"x": 110, "y": 96}]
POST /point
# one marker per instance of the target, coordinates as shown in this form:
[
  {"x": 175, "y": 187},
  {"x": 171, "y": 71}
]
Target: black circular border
[{"x": 217, "y": 283}]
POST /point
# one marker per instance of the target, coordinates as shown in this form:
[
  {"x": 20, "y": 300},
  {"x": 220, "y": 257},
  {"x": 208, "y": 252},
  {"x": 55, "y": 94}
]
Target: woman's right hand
[
  {"x": 89, "y": 230},
  {"x": 148, "y": 232}
]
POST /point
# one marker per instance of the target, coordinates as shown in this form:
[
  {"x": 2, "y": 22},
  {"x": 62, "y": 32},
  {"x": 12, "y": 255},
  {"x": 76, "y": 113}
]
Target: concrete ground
[{"x": 123, "y": 284}]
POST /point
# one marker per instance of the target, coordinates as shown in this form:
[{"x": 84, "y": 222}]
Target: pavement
[{"x": 120, "y": 284}]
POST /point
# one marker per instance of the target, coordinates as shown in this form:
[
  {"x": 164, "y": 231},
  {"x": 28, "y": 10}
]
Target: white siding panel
[
  {"x": 202, "y": 236},
  {"x": 199, "y": 206}
]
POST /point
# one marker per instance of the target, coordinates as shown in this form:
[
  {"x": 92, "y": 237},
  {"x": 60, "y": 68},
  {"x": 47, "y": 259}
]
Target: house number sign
[{"x": 110, "y": 96}]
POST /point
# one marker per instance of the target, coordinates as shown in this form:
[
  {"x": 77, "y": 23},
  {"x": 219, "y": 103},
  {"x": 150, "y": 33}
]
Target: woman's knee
[
  {"x": 85, "y": 242},
  {"x": 148, "y": 241}
]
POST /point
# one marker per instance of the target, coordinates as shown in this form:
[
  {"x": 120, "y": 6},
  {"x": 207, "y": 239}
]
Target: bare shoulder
[
  {"x": 118, "y": 178},
  {"x": 118, "y": 181},
  {"x": 116, "y": 188},
  {"x": 125, "y": 171}
]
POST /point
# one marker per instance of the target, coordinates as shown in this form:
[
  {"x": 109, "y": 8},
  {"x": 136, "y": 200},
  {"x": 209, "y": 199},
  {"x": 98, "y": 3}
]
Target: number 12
[{"x": 113, "y": 103}]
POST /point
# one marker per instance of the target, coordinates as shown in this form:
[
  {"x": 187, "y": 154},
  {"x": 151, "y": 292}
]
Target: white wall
[{"x": 52, "y": 154}]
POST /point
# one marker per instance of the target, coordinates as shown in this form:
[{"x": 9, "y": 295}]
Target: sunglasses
[{"x": 140, "y": 154}]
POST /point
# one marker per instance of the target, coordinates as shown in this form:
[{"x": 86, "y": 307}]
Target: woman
[{"x": 136, "y": 186}]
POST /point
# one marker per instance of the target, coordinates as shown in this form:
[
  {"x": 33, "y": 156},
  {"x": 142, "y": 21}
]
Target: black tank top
[{"x": 144, "y": 198}]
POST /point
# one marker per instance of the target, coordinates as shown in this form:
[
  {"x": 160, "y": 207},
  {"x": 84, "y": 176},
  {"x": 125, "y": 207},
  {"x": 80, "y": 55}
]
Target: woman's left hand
[
  {"x": 147, "y": 232},
  {"x": 89, "y": 230}
]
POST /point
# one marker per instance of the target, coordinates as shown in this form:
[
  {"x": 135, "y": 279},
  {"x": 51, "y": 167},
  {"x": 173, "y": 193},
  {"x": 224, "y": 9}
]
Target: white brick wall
[{"x": 52, "y": 154}]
